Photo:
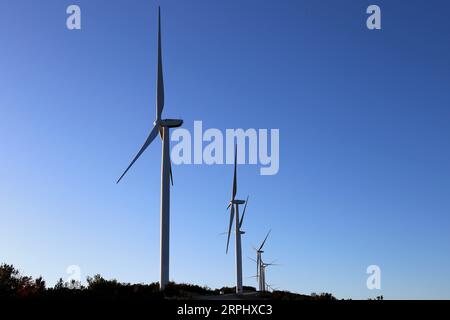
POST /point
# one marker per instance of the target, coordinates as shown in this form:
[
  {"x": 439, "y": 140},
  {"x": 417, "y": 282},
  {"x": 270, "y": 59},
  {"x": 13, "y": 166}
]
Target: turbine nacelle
[
  {"x": 170, "y": 123},
  {"x": 237, "y": 201}
]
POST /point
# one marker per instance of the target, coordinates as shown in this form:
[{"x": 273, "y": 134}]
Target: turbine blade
[
  {"x": 262, "y": 244},
  {"x": 149, "y": 140},
  {"x": 235, "y": 173},
  {"x": 258, "y": 264},
  {"x": 252, "y": 259},
  {"x": 160, "y": 80},
  {"x": 170, "y": 170},
  {"x": 170, "y": 161},
  {"x": 228, "y": 207},
  {"x": 229, "y": 227},
  {"x": 243, "y": 214}
]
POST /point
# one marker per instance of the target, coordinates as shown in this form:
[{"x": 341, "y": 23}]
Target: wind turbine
[
  {"x": 271, "y": 287},
  {"x": 162, "y": 127},
  {"x": 262, "y": 275},
  {"x": 260, "y": 265},
  {"x": 234, "y": 204}
]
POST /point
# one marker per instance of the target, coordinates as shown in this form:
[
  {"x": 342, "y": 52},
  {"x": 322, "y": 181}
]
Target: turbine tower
[
  {"x": 234, "y": 204},
  {"x": 162, "y": 127}
]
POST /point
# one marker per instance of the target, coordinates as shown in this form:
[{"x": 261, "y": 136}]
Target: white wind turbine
[
  {"x": 263, "y": 285},
  {"x": 162, "y": 127},
  {"x": 259, "y": 264},
  {"x": 234, "y": 215}
]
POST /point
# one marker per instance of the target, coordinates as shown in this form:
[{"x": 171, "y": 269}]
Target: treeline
[{"x": 14, "y": 285}]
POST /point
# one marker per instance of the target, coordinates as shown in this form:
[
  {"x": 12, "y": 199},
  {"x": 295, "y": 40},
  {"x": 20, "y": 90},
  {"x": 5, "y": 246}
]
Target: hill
[{"x": 13, "y": 285}]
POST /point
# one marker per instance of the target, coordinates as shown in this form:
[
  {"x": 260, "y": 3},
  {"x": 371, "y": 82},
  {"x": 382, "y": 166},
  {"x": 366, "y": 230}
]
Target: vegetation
[{"x": 15, "y": 286}]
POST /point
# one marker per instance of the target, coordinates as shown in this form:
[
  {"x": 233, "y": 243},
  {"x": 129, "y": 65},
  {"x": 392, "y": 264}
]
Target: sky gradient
[{"x": 364, "y": 141}]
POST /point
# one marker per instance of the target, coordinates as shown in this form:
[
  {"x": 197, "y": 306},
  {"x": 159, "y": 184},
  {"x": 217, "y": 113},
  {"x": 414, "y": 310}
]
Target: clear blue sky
[{"x": 364, "y": 141}]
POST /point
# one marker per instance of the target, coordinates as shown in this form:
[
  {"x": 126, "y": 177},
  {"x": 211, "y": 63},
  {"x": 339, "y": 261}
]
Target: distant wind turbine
[
  {"x": 262, "y": 275},
  {"x": 162, "y": 127},
  {"x": 234, "y": 204},
  {"x": 260, "y": 265}
]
